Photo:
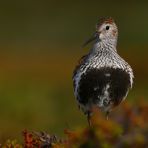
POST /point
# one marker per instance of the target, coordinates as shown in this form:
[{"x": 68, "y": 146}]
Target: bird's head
[
  {"x": 106, "y": 32},
  {"x": 106, "y": 29}
]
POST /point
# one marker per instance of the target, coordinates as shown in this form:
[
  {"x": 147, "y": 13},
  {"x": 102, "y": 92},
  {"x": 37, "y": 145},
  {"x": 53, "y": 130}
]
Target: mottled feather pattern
[
  {"x": 102, "y": 78},
  {"x": 104, "y": 58},
  {"x": 80, "y": 62}
]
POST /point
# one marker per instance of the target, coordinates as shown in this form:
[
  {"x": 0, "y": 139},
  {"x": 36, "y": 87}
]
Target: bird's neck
[{"x": 106, "y": 45}]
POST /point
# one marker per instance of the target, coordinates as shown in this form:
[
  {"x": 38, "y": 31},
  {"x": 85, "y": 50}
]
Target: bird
[{"x": 102, "y": 78}]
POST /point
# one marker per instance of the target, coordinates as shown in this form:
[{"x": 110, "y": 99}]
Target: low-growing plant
[{"x": 126, "y": 128}]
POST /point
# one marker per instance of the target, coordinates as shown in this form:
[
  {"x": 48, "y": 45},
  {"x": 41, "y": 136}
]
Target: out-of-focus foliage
[
  {"x": 12, "y": 144},
  {"x": 126, "y": 128},
  {"x": 40, "y": 44}
]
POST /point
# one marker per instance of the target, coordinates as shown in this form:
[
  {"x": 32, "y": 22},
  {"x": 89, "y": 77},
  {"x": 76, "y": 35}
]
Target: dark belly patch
[{"x": 93, "y": 82}]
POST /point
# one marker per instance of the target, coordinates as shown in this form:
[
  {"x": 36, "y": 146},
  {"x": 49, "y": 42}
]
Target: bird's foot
[{"x": 89, "y": 118}]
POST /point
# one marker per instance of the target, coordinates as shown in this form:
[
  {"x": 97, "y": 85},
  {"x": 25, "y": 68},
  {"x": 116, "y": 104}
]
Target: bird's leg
[
  {"x": 107, "y": 115},
  {"x": 79, "y": 107},
  {"x": 88, "y": 118}
]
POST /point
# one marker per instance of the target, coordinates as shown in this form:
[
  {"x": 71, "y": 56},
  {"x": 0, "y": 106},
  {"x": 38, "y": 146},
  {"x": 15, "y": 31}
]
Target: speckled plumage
[{"x": 102, "y": 78}]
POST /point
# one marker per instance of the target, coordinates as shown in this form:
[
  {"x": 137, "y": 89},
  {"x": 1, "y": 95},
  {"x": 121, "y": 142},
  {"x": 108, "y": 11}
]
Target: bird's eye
[{"x": 107, "y": 27}]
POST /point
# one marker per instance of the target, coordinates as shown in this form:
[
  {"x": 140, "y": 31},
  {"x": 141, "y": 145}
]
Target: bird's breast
[{"x": 102, "y": 87}]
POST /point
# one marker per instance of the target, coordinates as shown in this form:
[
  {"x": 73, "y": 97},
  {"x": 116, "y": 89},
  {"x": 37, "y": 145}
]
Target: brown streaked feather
[
  {"x": 78, "y": 65},
  {"x": 81, "y": 60},
  {"x": 107, "y": 20}
]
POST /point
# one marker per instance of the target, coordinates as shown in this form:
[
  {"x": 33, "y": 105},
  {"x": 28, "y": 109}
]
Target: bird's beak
[{"x": 93, "y": 38}]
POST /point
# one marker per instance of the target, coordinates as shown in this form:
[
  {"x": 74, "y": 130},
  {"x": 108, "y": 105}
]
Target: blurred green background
[{"x": 40, "y": 44}]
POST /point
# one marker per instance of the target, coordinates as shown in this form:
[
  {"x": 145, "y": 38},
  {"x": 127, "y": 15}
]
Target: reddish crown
[{"x": 106, "y": 20}]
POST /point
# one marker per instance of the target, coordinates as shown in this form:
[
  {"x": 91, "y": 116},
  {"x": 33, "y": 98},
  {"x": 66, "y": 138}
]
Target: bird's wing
[{"x": 79, "y": 64}]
